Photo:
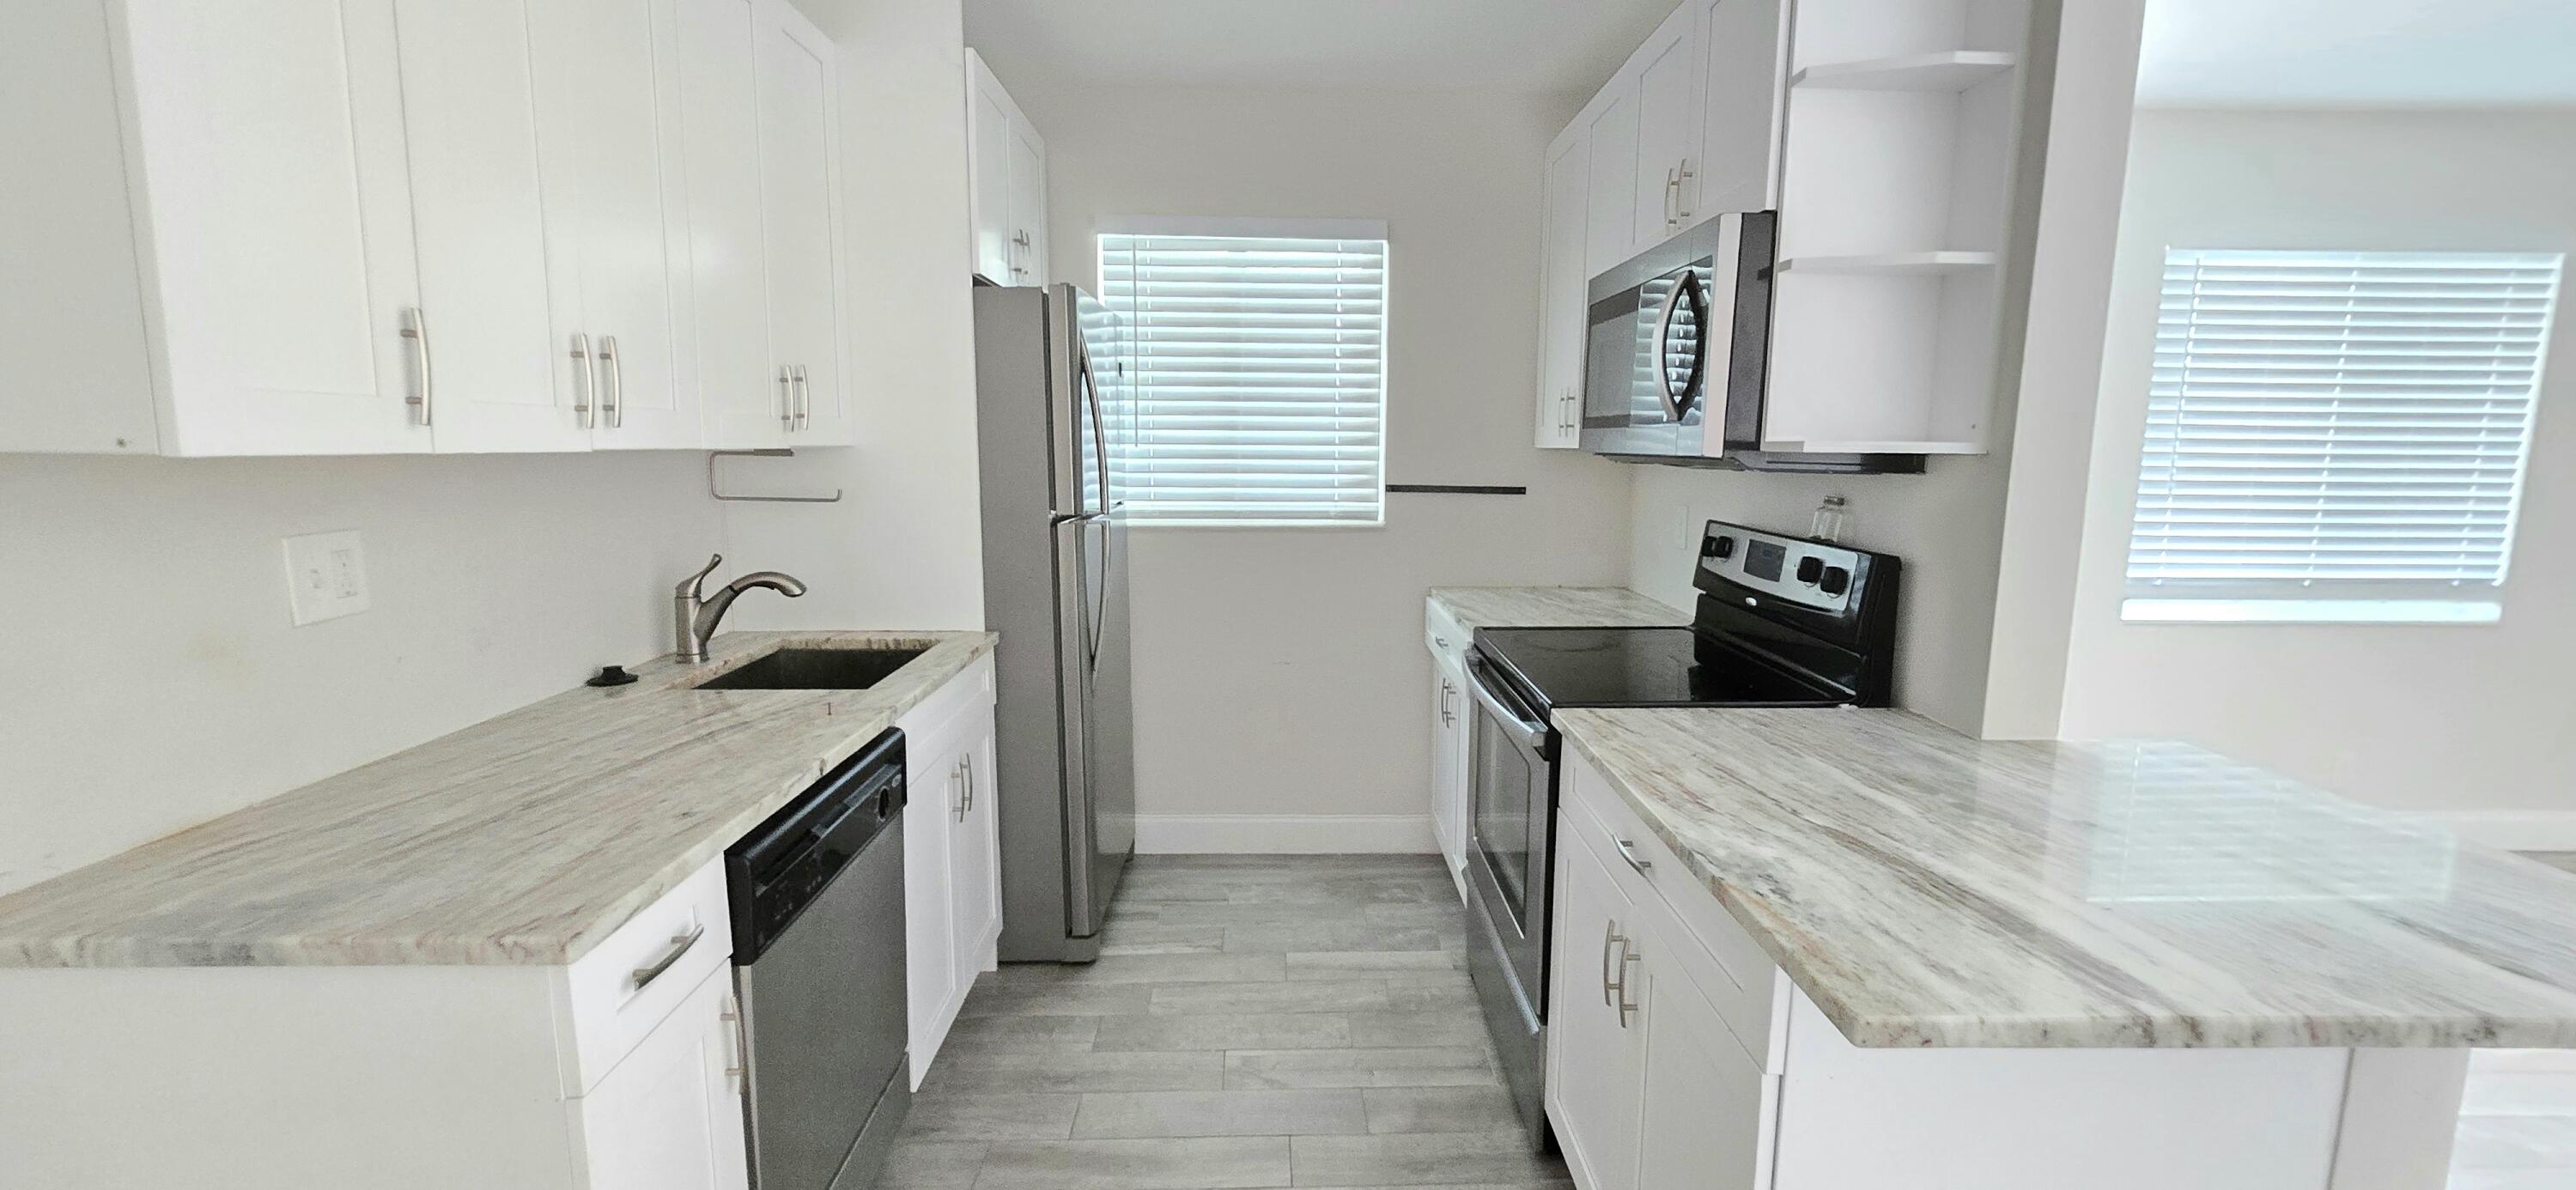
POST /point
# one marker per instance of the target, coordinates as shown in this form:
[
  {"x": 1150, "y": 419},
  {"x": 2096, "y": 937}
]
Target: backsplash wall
[{"x": 154, "y": 680}]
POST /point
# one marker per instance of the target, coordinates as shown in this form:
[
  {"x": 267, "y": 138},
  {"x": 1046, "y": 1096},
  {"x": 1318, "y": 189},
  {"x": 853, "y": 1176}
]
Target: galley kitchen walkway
[{"x": 1254, "y": 1021}]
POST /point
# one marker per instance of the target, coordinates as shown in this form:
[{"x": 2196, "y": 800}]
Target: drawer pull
[
  {"x": 680, "y": 944},
  {"x": 1628, "y": 852}
]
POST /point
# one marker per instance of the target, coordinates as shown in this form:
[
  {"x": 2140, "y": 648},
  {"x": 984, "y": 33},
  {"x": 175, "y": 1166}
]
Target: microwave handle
[{"x": 1663, "y": 332}]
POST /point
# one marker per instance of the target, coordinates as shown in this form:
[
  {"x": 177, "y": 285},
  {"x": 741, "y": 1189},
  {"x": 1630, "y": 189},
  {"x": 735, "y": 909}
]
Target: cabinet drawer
[
  {"x": 639, "y": 973},
  {"x": 1728, "y": 964},
  {"x": 1442, "y": 634}
]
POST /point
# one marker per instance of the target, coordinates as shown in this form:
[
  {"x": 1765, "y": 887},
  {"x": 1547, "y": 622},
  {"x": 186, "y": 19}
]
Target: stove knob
[
  {"x": 1720, "y": 548},
  {"x": 1836, "y": 580},
  {"x": 1810, "y": 569}
]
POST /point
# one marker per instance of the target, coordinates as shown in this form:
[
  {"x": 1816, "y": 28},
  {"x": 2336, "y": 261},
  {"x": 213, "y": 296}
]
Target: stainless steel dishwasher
[{"x": 818, "y": 932}]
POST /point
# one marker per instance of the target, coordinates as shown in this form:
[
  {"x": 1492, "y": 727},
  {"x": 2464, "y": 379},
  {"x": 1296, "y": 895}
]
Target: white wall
[
  {"x": 151, "y": 679},
  {"x": 1282, "y": 672},
  {"x": 904, "y": 547},
  {"x": 2415, "y": 717}
]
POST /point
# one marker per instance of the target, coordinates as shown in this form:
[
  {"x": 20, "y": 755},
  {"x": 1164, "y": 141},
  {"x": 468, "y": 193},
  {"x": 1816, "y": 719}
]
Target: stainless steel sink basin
[{"x": 814, "y": 669}]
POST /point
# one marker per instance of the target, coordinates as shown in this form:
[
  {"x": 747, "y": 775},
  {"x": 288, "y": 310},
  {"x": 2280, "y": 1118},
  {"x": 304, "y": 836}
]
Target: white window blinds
[
  {"x": 1258, "y": 378},
  {"x": 2328, "y": 426}
]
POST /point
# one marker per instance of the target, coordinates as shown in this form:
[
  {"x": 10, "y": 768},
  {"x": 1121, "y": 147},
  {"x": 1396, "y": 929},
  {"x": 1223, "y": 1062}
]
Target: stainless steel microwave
[
  {"x": 1678, "y": 342},
  {"x": 1677, "y": 354}
]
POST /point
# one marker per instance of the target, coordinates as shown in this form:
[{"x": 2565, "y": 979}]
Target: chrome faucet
[{"x": 696, "y": 614}]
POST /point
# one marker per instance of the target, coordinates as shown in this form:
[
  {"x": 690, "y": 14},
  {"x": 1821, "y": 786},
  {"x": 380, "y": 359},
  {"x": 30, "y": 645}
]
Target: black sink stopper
[{"x": 610, "y": 675}]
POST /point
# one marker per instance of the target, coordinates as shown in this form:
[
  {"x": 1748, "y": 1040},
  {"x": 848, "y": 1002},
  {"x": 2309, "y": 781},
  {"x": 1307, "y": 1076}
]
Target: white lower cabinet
[
  {"x": 1595, "y": 1025},
  {"x": 669, "y": 1117},
  {"x": 1453, "y": 718},
  {"x": 952, "y": 877}
]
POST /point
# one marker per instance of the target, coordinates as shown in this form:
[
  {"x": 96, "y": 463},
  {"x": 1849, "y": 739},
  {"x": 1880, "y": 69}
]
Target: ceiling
[
  {"x": 2358, "y": 53},
  {"x": 1533, "y": 46}
]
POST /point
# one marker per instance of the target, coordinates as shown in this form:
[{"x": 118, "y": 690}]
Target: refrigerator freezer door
[{"x": 1098, "y": 720}]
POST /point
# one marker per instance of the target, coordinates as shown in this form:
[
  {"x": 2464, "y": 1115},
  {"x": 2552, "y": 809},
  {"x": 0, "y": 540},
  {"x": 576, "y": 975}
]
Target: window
[
  {"x": 2337, "y": 436},
  {"x": 1258, "y": 381}
]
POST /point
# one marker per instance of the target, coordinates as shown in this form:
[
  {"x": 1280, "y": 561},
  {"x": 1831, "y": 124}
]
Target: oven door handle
[{"x": 1532, "y": 736}]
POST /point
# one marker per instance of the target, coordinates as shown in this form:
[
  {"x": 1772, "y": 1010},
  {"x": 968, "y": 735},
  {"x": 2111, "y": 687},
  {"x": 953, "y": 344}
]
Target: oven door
[{"x": 1512, "y": 784}]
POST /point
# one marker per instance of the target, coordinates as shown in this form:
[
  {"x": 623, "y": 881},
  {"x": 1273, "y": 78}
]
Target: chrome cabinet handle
[
  {"x": 613, "y": 405},
  {"x": 1627, "y": 1007},
  {"x": 1672, "y": 196},
  {"x": 589, "y": 385},
  {"x": 680, "y": 945},
  {"x": 1628, "y": 852},
  {"x": 804, "y": 399},
  {"x": 969, "y": 762},
  {"x": 735, "y": 1070},
  {"x": 786, "y": 398},
  {"x": 957, "y": 790},
  {"x": 416, "y": 329},
  {"x": 1681, "y": 191},
  {"x": 1610, "y": 942}
]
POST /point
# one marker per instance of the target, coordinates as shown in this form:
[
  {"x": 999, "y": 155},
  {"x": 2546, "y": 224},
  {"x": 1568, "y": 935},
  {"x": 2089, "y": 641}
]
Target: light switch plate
[{"x": 326, "y": 576}]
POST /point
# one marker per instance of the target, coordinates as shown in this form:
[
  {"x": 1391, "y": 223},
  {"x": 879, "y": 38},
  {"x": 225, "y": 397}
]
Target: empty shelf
[
  {"x": 1950, "y": 70},
  {"x": 1891, "y": 262}
]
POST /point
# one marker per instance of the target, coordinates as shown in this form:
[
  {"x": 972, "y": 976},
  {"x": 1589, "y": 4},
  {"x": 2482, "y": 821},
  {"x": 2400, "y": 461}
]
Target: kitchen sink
[{"x": 814, "y": 669}]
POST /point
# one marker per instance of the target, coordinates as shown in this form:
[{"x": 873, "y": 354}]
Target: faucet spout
[{"x": 696, "y": 616}]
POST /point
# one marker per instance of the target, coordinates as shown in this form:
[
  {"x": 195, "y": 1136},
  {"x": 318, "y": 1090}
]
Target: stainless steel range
[{"x": 1781, "y": 622}]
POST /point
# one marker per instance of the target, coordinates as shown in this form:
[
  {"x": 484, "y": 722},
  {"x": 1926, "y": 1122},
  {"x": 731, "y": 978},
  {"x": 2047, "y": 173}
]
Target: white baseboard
[
  {"x": 2512, "y": 830},
  {"x": 1283, "y": 834}
]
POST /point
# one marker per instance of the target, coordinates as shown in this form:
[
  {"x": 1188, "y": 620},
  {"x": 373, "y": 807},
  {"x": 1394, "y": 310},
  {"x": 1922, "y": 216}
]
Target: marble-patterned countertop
[
  {"x": 1554, "y": 607},
  {"x": 523, "y": 839},
  {"x": 1928, "y": 889}
]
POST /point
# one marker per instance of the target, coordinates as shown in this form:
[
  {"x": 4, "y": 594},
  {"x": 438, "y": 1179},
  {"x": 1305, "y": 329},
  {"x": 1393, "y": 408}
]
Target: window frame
[
  {"x": 2425, "y": 601},
  {"x": 1260, "y": 227}
]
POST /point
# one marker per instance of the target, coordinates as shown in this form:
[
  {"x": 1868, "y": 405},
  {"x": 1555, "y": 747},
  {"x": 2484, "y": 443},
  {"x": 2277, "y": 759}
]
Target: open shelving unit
[{"x": 1896, "y": 162}]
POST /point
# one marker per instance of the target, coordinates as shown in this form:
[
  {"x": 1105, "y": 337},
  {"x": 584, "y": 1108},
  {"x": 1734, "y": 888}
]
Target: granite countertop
[
  {"x": 1927, "y": 889},
  {"x": 1555, "y": 607},
  {"x": 523, "y": 839}
]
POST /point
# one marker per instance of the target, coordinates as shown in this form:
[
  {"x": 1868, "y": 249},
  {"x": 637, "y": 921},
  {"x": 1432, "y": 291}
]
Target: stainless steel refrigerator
[{"x": 1055, "y": 424}]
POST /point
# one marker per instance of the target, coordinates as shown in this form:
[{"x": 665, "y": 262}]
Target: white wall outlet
[{"x": 326, "y": 576}]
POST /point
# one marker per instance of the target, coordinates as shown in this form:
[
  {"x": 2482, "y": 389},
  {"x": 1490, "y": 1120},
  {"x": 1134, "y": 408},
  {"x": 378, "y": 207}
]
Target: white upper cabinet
[
  {"x": 1562, "y": 282},
  {"x": 1744, "y": 47},
  {"x": 1610, "y": 203},
  {"x": 1007, "y": 184},
  {"x": 489, "y": 286},
  {"x": 799, "y": 125},
  {"x": 273, "y": 273},
  {"x": 731, "y": 267},
  {"x": 1668, "y": 121},
  {"x": 362, "y": 226}
]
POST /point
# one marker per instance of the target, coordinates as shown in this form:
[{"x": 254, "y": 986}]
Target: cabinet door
[
  {"x": 975, "y": 859},
  {"x": 1705, "y": 1119},
  {"x": 722, "y": 128},
  {"x": 988, "y": 136},
  {"x": 1745, "y": 46},
  {"x": 1610, "y": 204},
  {"x": 670, "y": 1116},
  {"x": 1028, "y": 205},
  {"x": 617, "y": 115},
  {"x": 930, "y": 930},
  {"x": 272, "y": 164},
  {"x": 1593, "y": 1044},
  {"x": 1444, "y": 758},
  {"x": 1563, "y": 281},
  {"x": 1668, "y": 117},
  {"x": 480, "y": 183},
  {"x": 798, "y": 148}
]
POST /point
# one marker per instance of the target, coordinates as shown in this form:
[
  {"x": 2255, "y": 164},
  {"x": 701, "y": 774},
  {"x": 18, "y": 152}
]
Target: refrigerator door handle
[{"x": 1099, "y": 423}]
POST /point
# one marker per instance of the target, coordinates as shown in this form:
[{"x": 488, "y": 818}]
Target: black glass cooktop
[{"x": 1639, "y": 667}]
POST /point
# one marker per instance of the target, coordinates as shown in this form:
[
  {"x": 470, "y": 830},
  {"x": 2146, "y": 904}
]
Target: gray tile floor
[{"x": 1254, "y": 1021}]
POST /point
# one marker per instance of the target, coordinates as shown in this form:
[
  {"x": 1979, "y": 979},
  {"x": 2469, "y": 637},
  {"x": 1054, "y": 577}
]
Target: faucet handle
[{"x": 695, "y": 585}]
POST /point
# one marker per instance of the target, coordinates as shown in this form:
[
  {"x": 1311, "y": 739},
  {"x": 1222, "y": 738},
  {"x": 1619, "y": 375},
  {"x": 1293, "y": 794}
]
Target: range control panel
[{"x": 1802, "y": 572}]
